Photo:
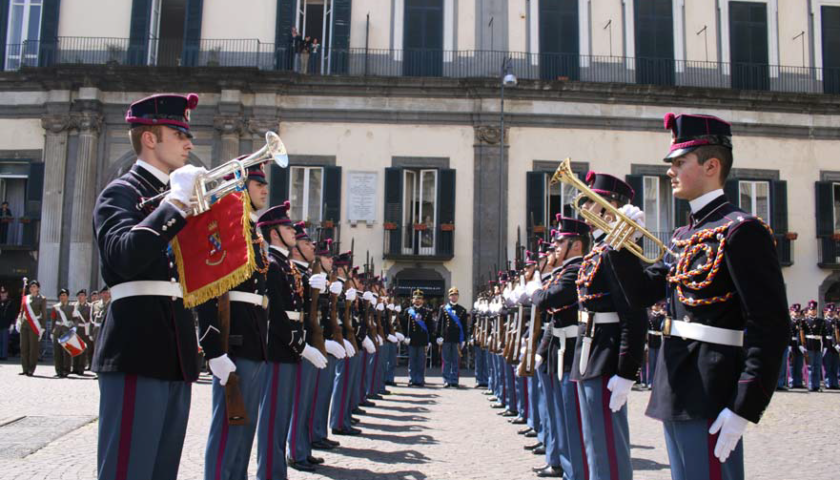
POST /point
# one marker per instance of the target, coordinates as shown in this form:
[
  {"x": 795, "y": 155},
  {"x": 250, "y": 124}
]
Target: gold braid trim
[{"x": 221, "y": 286}]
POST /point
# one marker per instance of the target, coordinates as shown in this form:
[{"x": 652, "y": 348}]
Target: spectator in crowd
[
  {"x": 295, "y": 44},
  {"x": 5, "y": 220},
  {"x": 304, "y": 54},
  {"x": 315, "y": 51},
  {"x": 8, "y": 312}
]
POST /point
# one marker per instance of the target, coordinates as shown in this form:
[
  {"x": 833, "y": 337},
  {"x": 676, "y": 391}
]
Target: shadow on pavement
[
  {"x": 405, "y": 409},
  {"x": 401, "y": 456},
  {"x": 411, "y": 402},
  {"x": 417, "y": 395},
  {"x": 395, "y": 428},
  {"x": 403, "y": 440},
  {"x": 645, "y": 464},
  {"x": 642, "y": 447},
  {"x": 338, "y": 473},
  {"x": 397, "y": 418}
]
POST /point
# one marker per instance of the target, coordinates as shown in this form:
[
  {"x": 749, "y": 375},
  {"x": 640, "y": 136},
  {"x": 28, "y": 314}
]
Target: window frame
[
  {"x": 411, "y": 241},
  {"x": 24, "y": 53},
  {"x": 548, "y": 217},
  {"x": 754, "y": 198},
  {"x": 835, "y": 187},
  {"x": 305, "y": 194}
]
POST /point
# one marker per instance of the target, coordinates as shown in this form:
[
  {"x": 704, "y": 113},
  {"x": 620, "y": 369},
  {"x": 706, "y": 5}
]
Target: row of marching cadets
[
  {"x": 813, "y": 356},
  {"x": 719, "y": 314},
  {"x": 296, "y": 338}
]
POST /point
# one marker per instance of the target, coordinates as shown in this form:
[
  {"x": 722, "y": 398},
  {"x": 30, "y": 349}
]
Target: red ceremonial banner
[{"x": 213, "y": 251}]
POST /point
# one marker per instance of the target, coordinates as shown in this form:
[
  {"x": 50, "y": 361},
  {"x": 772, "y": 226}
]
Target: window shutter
[
  {"x": 825, "y": 208},
  {"x": 34, "y": 189},
  {"x": 637, "y": 183},
  {"x": 332, "y": 194},
  {"x": 340, "y": 53},
  {"x": 446, "y": 211},
  {"x": 279, "y": 185},
  {"x": 138, "y": 42},
  {"x": 732, "y": 191},
  {"x": 535, "y": 202},
  {"x": 49, "y": 33},
  {"x": 779, "y": 221},
  {"x": 682, "y": 212},
  {"x": 192, "y": 32},
  {"x": 4, "y": 24},
  {"x": 393, "y": 208},
  {"x": 283, "y": 56}
]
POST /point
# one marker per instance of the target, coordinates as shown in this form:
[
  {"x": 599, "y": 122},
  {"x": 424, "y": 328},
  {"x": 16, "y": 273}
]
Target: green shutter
[
  {"x": 340, "y": 44},
  {"x": 192, "y": 32},
  {"x": 732, "y": 191},
  {"x": 279, "y": 185},
  {"x": 138, "y": 42},
  {"x": 284, "y": 57},
  {"x": 779, "y": 221},
  {"x": 446, "y": 211},
  {"x": 49, "y": 33},
  {"x": 637, "y": 182},
  {"x": 4, "y": 24},
  {"x": 682, "y": 212},
  {"x": 393, "y": 208},
  {"x": 825, "y": 208},
  {"x": 34, "y": 189},
  {"x": 332, "y": 194},
  {"x": 535, "y": 203}
]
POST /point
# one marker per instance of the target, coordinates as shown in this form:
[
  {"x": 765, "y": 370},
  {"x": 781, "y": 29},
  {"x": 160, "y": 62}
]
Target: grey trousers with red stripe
[
  {"x": 606, "y": 434},
  {"x": 142, "y": 424},
  {"x": 691, "y": 453},
  {"x": 275, "y": 417},
  {"x": 229, "y": 446}
]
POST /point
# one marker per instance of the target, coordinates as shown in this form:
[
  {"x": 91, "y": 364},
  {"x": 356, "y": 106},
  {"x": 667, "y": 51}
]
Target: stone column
[
  {"x": 82, "y": 249},
  {"x": 229, "y": 128},
  {"x": 256, "y": 128},
  {"x": 55, "y": 162},
  {"x": 490, "y": 194}
]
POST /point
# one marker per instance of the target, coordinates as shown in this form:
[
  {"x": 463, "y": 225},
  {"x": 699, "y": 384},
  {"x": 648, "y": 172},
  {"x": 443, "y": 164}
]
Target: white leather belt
[
  {"x": 813, "y": 337},
  {"x": 565, "y": 332},
  {"x": 250, "y": 298},
  {"x": 589, "y": 320},
  {"x": 146, "y": 288},
  {"x": 655, "y": 332},
  {"x": 293, "y": 315},
  {"x": 703, "y": 333},
  {"x": 794, "y": 339}
]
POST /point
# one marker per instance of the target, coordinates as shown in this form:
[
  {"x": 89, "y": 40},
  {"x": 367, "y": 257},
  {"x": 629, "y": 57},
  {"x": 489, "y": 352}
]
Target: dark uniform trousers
[
  {"x": 144, "y": 393},
  {"x": 696, "y": 379}
]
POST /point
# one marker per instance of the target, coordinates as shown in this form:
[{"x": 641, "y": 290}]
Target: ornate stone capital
[
  {"x": 58, "y": 123},
  {"x": 261, "y": 126},
  {"x": 488, "y": 135},
  {"x": 88, "y": 122},
  {"x": 229, "y": 125}
]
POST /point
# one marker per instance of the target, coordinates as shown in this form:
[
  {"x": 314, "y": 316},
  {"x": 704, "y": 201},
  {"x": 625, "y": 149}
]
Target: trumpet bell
[{"x": 276, "y": 149}]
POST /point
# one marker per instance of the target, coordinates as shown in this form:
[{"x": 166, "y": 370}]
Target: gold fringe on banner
[{"x": 221, "y": 286}]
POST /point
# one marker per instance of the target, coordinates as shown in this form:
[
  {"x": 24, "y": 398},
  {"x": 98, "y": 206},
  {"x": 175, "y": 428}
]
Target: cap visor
[
  {"x": 678, "y": 153},
  {"x": 181, "y": 129}
]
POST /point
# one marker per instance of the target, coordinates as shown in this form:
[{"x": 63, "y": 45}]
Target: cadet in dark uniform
[
  {"x": 419, "y": 322},
  {"x": 610, "y": 345},
  {"x": 62, "y": 322},
  {"x": 558, "y": 298},
  {"x": 814, "y": 330},
  {"x": 98, "y": 311},
  {"x": 727, "y": 323},
  {"x": 831, "y": 347},
  {"x": 7, "y": 320},
  {"x": 146, "y": 353},
  {"x": 286, "y": 343},
  {"x": 229, "y": 446},
  {"x": 34, "y": 309},
  {"x": 346, "y": 371},
  {"x": 81, "y": 320},
  {"x": 450, "y": 332}
]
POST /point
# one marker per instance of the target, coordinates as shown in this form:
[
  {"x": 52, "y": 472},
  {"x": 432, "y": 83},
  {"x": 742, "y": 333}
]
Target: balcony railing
[
  {"x": 422, "y": 63},
  {"x": 409, "y": 243},
  {"x": 19, "y": 232}
]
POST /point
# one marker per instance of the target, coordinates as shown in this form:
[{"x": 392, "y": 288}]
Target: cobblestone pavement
[{"x": 430, "y": 433}]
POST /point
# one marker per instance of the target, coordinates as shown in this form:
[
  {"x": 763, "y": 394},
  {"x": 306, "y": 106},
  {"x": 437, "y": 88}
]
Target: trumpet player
[
  {"x": 610, "y": 344},
  {"x": 558, "y": 298},
  {"x": 727, "y": 322},
  {"x": 145, "y": 397}
]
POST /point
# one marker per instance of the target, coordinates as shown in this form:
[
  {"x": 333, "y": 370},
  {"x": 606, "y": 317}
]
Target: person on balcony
[{"x": 5, "y": 220}]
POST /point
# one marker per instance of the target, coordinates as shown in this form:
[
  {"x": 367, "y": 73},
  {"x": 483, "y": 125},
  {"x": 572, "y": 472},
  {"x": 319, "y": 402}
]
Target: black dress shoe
[
  {"x": 358, "y": 411},
  {"x": 782, "y": 389},
  {"x": 375, "y": 396},
  {"x": 314, "y": 460},
  {"x": 496, "y": 405},
  {"x": 509, "y": 413},
  {"x": 321, "y": 445},
  {"x": 331, "y": 442},
  {"x": 487, "y": 392},
  {"x": 541, "y": 467},
  {"x": 524, "y": 431},
  {"x": 348, "y": 432},
  {"x": 519, "y": 421},
  {"x": 391, "y": 384},
  {"x": 354, "y": 421},
  {"x": 367, "y": 403},
  {"x": 531, "y": 447},
  {"x": 303, "y": 466},
  {"x": 446, "y": 385},
  {"x": 478, "y": 385},
  {"x": 531, "y": 434},
  {"x": 492, "y": 398},
  {"x": 551, "y": 472},
  {"x": 539, "y": 450},
  {"x": 22, "y": 373}
]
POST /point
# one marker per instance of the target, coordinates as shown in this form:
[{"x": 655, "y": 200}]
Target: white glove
[
  {"x": 348, "y": 347},
  {"x": 390, "y": 307},
  {"x": 407, "y": 341},
  {"x": 400, "y": 336},
  {"x": 314, "y": 357},
  {"x": 635, "y": 214},
  {"x": 222, "y": 367},
  {"x": 368, "y": 296},
  {"x": 12, "y": 327},
  {"x": 380, "y": 307},
  {"x": 440, "y": 341},
  {"x": 379, "y": 341},
  {"x": 335, "y": 349},
  {"x": 837, "y": 347},
  {"x": 802, "y": 349},
  {"x": 534, "y": 285},
  {"x": 368, "y": 346},
  {"x": 398, "y": 309},
  {"x": 538, "y": 361},
  {"x": 731, "y": 428},
  {"x": 824, "y": 350},
  {"x": 350, "y": 295},
  {"x": 336, "y": 287},
  {"x": 318, "y": 282},
  {"x": 392, "y": 339},
  {"x": 620, "y": 388},
  {"x": 463, "y": 344},
  {"x": 182, "y": 182}
]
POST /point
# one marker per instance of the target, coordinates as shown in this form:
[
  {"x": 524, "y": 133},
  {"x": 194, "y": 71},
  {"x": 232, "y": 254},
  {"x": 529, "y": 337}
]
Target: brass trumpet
[
  {"x": 620, "y": 234},
  {"x": 215, "y": 184}
]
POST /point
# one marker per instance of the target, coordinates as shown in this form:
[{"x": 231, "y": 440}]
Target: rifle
[
  {"x": 234, "y": 403},
  {"x": 337, "y": 334},
  {"x": 347, "y": 321},
  {"x": 803, "y": 340},
  {"x": 368, "y": 307},
  {"x": 314, "y": 321},
  {"x": 526, "y": 367}
]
